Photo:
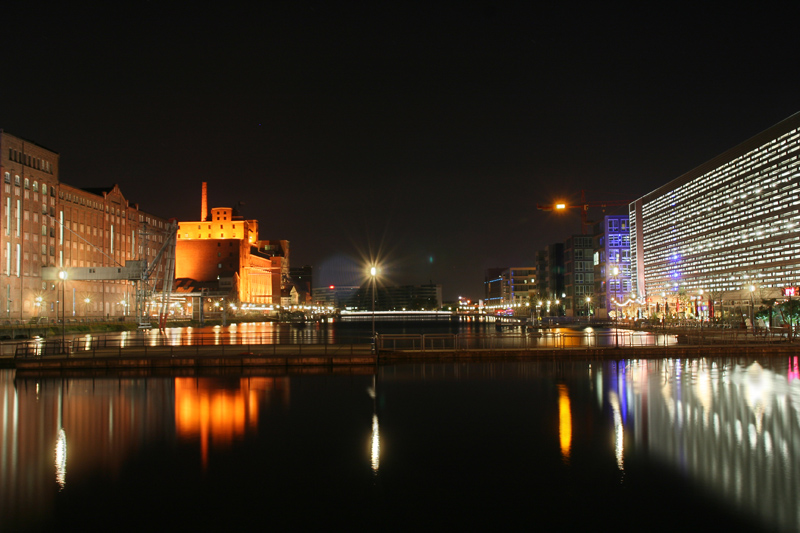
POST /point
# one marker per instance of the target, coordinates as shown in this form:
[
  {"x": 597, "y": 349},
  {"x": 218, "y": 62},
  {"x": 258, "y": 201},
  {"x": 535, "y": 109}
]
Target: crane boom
[{"x": 584, "y": 207}]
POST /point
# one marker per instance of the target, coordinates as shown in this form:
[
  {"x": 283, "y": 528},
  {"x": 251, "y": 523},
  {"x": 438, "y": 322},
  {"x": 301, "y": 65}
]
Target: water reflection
[
  {"x": 208, "y": 409},
  {"x": 472, "y": 335},
  {"x": 565, "y": 421},
  {"x": 730, "y": 426},
  {"x": 61, "y": 459}
]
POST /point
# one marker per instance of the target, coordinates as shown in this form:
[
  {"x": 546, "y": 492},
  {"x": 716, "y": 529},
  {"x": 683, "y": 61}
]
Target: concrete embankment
[
  {"x": 192, "y": 360},
  {"x": 644, "y": 352}
]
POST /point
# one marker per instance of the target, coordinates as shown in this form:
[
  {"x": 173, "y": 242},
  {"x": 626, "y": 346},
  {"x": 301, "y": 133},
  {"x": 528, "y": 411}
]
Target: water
[
  {"x": 630, "y": 445},
  {"x": 474, "y": 334}
]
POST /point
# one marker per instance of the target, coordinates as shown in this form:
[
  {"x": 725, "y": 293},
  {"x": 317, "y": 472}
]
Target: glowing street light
[{"x": 373, "y": 271}]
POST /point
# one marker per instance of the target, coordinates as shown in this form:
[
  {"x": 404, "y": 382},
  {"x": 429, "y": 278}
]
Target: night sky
[{"x": 425, "y": 135}]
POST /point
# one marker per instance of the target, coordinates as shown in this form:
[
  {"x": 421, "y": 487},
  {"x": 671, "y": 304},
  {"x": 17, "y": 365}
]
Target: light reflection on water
[
  {"x": 730, "y": 426},
  {"x": 473, "y": 334}
]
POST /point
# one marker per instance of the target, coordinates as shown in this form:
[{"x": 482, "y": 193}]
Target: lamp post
[
  {"x": 752, "y": 310},
  {"x": 700, "y": 307},
  {"x": 615, "y": 272},
  {"x": 86, "y": 301},
  {"x": 62, "y": 275},
  {"x": 588, "y": 310},
  {"x": 373, "y": 271}
]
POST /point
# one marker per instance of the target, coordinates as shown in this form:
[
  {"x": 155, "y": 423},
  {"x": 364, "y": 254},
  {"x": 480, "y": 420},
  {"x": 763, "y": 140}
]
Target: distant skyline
[{"x": 424, "y": 134}]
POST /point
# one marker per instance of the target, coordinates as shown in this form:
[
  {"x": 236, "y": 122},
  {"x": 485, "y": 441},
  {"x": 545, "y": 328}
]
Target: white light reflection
[
  {"x": 375, "y": 451},
  {"x": 61, "y": 459},
  {"x": 375, "y": 441},
  {"x": 619, "y": 436}
]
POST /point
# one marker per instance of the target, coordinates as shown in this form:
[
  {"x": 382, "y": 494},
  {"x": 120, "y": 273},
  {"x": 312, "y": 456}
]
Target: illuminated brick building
[
  {"x": 47, "y": 223},
  {"x": 224, "y": 249}
]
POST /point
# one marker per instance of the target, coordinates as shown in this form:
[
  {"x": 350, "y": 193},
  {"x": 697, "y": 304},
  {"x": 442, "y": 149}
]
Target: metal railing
[
  {"x": 205, "y": 344},
  {"x": 576, "y": 340}
]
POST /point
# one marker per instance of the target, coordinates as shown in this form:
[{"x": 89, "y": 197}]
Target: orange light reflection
[
  {"x": 564, "y": 421},
  {"x": 215, "y": 414}
]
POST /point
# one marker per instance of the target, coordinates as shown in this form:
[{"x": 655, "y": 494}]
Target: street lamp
[
  {"x": 373, "y": 271},
  {"x": 62, "y": 275},
  {"x": 86, "y": 307},
  {"x": 615, "y": 271},
  {"x": 700, "y": 307},
  {"x": 588, "y": 310},
  {"x": 752, "y": 310}
]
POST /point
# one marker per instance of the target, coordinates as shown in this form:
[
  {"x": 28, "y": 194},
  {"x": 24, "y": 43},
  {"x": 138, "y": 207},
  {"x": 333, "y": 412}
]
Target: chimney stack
[{"x": 204, "y": 203}]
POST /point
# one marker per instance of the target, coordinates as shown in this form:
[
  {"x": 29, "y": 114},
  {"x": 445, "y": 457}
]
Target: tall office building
[
  {"x": 727, "y": 228},
  {"x": 550, "y": 283},
  {"x": 612, "y": 264},
  {"x": 578, "y": 274}
]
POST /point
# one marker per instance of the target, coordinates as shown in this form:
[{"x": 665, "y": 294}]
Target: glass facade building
[{"x": 727, "y": 226}]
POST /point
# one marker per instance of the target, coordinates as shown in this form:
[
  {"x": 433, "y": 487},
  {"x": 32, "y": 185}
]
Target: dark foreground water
[{"x": 608, "y": 445}]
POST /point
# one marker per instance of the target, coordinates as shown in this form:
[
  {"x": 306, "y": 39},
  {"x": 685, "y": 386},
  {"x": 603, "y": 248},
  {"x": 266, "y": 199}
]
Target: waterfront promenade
[{"x": 95, "y": 354}]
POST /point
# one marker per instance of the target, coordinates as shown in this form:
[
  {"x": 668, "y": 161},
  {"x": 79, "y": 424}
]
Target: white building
[{"x": 725, "y": 229}]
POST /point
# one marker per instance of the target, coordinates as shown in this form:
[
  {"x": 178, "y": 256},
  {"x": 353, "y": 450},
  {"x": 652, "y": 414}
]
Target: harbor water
[{"x": 626, "y": 444}]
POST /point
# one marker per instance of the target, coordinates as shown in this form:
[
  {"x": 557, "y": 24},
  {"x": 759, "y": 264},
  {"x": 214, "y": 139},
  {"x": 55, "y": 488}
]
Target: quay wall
[{"x": 174, "y": 360}]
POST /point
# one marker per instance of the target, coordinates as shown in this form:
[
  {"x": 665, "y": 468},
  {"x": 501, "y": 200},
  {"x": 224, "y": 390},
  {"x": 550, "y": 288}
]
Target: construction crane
[
  {"x": 149, "y": 280},
  {"x": 145, "y": 274},
  {"x": 584, "y": 207}
]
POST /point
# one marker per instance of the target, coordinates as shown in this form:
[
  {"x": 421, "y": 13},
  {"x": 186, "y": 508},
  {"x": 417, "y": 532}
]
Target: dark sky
[{"x": 424, "y": 134}]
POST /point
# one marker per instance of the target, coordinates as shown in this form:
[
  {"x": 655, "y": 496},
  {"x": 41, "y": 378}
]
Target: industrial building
[
  {"x": 726, "y": 229},
  {"x": 50, "y": 226},
  {"x": 221, "y": 256}
]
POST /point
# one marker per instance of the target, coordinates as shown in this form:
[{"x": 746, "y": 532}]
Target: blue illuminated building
[{"x": 612, "y": 250}]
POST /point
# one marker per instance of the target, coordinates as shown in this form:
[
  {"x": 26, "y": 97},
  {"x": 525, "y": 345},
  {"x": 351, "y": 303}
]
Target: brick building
[{"x": 47, "y": 223}]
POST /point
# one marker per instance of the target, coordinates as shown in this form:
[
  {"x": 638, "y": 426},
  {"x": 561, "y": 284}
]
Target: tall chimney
[{"x": 204, "y": 203}]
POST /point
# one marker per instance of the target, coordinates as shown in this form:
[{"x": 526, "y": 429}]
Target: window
[
  {"x": 8, "y": 177},
  {"x": 16, "y": 180},
  {"x": 35, "y": 186},
  {"x": 27, "y": 183}
]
